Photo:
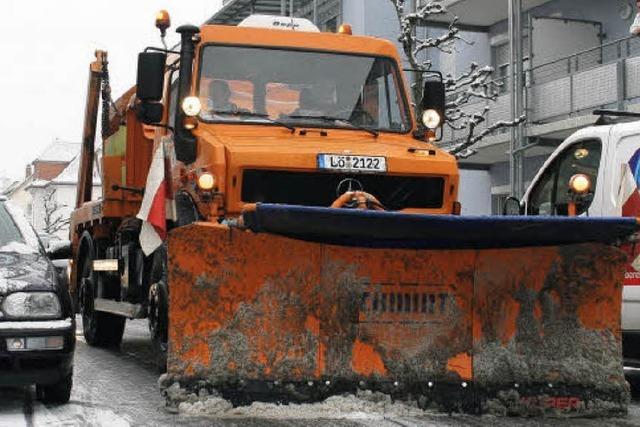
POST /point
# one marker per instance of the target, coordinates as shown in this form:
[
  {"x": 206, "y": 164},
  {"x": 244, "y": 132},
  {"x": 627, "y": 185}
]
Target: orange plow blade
[{"x": 509, "y": 331}]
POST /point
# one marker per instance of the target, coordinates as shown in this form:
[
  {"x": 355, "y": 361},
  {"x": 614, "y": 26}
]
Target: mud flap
[{"x": 513, "y": 331}]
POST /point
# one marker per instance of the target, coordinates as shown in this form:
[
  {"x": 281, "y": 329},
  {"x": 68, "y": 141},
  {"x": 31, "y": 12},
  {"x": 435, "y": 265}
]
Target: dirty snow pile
[{"x": 364, "y": 405}]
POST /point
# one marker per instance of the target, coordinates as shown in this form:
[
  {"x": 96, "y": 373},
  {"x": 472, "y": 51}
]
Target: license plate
[{"x": 347, "y": 162}]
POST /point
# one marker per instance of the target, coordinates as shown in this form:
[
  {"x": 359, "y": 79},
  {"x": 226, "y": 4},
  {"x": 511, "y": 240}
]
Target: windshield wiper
[
  {"x": 373, "y": 132},
  {"x": 257, "y": 115}
]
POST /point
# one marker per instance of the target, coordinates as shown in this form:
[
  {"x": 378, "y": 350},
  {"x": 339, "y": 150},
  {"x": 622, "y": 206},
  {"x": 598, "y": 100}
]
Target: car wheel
[
  {"x": 99, "y": 329},
  {"x": 57, "y": 393}
]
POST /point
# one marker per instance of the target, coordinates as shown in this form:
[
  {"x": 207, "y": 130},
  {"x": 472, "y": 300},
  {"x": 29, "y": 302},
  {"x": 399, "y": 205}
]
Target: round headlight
[
  {"x": 191, "y": 106},
  {"x": 431, "y": 119},
  {"x": 206, "y": 181},
  {"x": 580, "y": 184},
  {"x": 32, "y": 305}
]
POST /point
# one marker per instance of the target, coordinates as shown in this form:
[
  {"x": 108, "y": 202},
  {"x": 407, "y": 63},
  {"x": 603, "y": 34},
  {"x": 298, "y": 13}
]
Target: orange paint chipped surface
[
  {"x": 366, "y": 361},
  {"x": 462, "y": 364},
  {"x": 313, "y": 325}
]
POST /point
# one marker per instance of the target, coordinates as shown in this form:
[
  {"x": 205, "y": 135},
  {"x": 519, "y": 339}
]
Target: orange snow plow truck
[{"x": 272, "y": 206}]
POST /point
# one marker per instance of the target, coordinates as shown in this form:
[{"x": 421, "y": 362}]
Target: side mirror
[
  {"x": 150, "y": 81},
  {"x": 150, "y": 86},
  {"x": 59, "y": 250},
  {"x": 433, "y": 104},
  {"x": 513, "y": 207}
]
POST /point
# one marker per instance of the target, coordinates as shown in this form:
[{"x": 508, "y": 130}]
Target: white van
[{"x": 609, "y": 157}]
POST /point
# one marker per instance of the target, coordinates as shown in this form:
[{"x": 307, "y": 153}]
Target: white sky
[{"x": 46, "y": 49}]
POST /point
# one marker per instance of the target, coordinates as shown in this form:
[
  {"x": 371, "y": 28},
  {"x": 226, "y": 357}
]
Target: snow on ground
[
  {"x": 365, "y": 406},
  {"x": 75, "y": 414},
  {"x": 119, "y": 388}
]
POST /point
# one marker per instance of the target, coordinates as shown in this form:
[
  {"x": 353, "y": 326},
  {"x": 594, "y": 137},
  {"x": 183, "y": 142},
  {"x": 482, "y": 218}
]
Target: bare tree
[
  {"x": 476, "y": 83},
  {"x": 53, "y": 219}
]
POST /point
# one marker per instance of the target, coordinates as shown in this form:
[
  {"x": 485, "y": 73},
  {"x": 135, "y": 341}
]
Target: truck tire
[
  {"x": 99, "y": 329},
  {"x": 158, "y": 308},
  {"x": 57, "y": 393}
]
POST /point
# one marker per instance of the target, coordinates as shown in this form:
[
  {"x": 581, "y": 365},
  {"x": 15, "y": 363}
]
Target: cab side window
[{"x": 551, "y": 196}]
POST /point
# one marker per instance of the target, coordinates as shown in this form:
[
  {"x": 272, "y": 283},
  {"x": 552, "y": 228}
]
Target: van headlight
[{"x": 32, "y": 305}]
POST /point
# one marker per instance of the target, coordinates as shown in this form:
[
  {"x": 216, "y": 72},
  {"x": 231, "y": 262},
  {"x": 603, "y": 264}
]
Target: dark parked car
[{"x": 37, "y": 326}]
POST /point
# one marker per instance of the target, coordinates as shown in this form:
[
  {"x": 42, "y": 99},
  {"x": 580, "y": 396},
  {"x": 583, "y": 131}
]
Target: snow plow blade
[{"x": 479, "y": 315}]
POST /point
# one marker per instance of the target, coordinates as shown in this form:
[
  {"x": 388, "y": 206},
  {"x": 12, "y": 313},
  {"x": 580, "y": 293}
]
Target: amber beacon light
[
  {"x": 345, "y": 29},
  {"x": 163, "y": 21}
]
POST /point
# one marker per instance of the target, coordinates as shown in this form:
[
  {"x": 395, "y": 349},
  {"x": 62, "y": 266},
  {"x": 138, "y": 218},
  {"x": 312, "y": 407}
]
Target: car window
[
  {"x": 540, "y": 199},
  {"x": 9, "y": 232},
  {"x": 550, "y": 195}
]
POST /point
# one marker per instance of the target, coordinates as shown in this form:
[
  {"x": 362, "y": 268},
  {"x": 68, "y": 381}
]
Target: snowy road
[{"x": 118, "y": 388}]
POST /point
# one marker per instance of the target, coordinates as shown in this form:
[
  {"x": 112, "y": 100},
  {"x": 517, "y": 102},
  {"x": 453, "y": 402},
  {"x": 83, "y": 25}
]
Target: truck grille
[{"x": 319, "y": 189}]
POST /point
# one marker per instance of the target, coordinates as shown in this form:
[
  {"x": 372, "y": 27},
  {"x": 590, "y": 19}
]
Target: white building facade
[
  {"x": 577, "y": 57},
  {"x": 47, "y": 195}
]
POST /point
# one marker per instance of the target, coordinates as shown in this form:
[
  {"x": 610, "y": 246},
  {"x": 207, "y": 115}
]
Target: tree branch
[
  {"x": 51, "y": 206},
  {"x": 474, "y": 84},
  {"x": 464, "y": 150}
]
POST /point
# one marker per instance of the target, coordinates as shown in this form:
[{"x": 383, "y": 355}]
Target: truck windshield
[{"x": 301, "y": 88}]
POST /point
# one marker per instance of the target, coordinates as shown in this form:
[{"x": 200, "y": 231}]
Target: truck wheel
[
  {"x": 158, "y": 323},
  {"x": 57, "y": 393},
  {"x": 158, "y": 306},
  {"x": 99, "y": 329}
]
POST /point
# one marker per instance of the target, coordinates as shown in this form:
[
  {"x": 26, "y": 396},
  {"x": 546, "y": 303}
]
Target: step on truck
[{"x": 275, "y": 208}]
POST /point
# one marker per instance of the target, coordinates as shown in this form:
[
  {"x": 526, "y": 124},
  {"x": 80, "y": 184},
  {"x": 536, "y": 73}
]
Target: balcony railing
[{"x": 602, "y": 77}]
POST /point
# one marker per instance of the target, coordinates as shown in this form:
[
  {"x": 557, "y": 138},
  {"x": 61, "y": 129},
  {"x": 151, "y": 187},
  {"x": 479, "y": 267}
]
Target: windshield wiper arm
[
  {"x": 257, "y": 115},
  {"x": 338, "y": 119}
]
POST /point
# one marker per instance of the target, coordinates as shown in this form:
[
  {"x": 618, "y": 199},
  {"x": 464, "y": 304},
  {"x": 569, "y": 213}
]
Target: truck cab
[
  {"x": 299, "y": 117},
  {"x": 609, "y": 157}
]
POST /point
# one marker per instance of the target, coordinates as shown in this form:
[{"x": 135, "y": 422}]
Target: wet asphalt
[{"x": 119, "y": 388}]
